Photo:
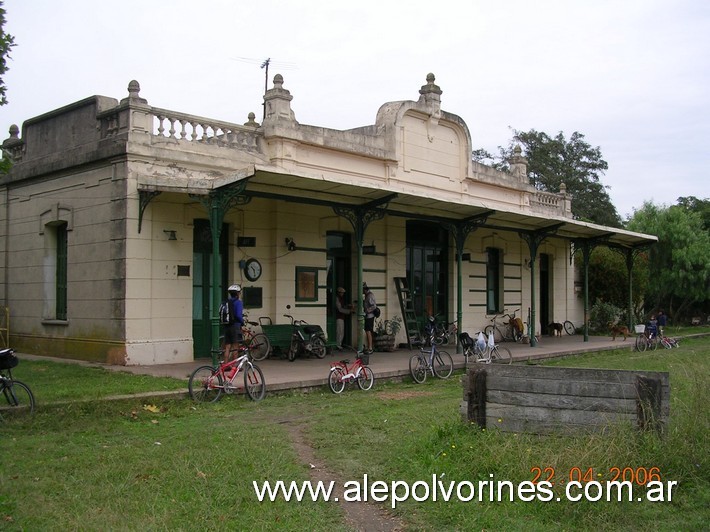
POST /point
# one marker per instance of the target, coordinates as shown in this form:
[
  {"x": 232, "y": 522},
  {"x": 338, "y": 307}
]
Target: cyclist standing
[{"x": 233, "y": 329}]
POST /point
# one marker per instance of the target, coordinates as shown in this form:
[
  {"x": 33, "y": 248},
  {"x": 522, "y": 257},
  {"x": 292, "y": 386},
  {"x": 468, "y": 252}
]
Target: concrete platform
[{"x": 280, "y": 374}]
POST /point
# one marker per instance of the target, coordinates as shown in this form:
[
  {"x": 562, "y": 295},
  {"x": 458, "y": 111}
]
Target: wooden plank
[
  {"x": 542, "y": 427},
  {"x": 495, "y": 411},
  {"x": 563, "y": 387},
  {"x": 573, "y": 374},
  {"x": 559, "y": 402}
]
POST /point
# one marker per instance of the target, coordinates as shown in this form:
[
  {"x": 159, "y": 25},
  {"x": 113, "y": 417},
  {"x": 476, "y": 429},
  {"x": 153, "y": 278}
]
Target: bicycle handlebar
[{"x": 509, "y": 314}]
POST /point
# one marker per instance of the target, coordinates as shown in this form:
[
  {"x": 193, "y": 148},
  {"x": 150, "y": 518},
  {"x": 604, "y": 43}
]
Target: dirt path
[{"x": 359, "y": 515}]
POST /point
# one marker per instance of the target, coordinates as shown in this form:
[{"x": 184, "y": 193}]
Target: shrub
[{"x": 602, "y": 314}]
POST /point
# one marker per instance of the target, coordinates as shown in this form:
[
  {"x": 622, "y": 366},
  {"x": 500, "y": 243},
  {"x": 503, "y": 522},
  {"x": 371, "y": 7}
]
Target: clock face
[{"x": 252, "y": 269}]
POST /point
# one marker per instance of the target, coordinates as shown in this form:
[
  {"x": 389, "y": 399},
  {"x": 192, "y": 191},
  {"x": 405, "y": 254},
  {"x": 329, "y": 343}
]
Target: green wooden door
[
  {"x": 339, "y": 274},
  {"x": 202, "y": 285},
  {"x": 427, "y": 270}
]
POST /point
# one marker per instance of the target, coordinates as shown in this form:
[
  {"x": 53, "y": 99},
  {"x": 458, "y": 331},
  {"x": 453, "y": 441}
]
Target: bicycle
[
  {"x": 340, "y": 374},
  {"x": 445, "y": 333},
  {"x": 509, "y": 330},
  {"x": 569, "y": 328},
  {"x": 258, "y": 343},
  {"x": 484, "y": 353},
  {"x": 207, "y": 383},
  {"x": 647, "y": 340},
  {"x": 430, "y": 359},
  {"x": 17, "y": 394}
]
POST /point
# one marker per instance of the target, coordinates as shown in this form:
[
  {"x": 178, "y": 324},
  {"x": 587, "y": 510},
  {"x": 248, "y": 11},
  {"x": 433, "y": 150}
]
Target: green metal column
[
  {"x": 460, "y": 232},
  {"x": 630, "y": 257},
  {"x": 360, "y": 217},
  {"x": 630, "y": 272},
  {"x": 586, "y": 254},
  {"x": 533, "y": 240},
  {"x": 216, "y": 220},
  {"x": 218, "y": 202}
]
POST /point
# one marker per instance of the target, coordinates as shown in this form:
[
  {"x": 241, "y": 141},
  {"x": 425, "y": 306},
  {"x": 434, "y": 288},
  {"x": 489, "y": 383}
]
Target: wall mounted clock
[{"x": 252, "y": 269}]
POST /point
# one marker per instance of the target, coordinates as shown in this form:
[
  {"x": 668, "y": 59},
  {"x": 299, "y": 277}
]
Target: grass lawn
[{"x": 171, "y": 464}]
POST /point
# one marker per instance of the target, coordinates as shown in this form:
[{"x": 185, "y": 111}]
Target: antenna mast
[{"x": 265, "y": 65}]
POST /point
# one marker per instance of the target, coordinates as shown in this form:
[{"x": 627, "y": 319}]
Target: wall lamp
[
  {"x": 171, "y": 234},
  {"x": 290, "y": 244},
  {"x": 528, "y": 264}
]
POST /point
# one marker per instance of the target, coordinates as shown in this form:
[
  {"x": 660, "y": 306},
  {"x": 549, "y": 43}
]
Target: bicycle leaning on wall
[{"x": 511, "y": 330}]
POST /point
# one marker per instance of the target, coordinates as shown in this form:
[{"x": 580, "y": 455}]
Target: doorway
[
  {"x": 339, "y": 261},
  {"x": 202, "y": 284},
  {"x": 427, "y": 269}
]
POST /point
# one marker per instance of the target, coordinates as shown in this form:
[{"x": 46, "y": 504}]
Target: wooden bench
[{"x": 542, "y": 400}]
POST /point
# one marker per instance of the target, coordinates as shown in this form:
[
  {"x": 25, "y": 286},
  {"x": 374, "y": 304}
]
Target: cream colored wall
[{"x": 84, "y": 200}]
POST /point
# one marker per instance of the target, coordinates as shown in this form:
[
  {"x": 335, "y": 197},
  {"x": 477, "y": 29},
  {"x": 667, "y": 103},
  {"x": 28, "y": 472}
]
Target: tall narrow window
[
  {"x": 61, "y": 273},
  {"x": 494, "y": 280}
]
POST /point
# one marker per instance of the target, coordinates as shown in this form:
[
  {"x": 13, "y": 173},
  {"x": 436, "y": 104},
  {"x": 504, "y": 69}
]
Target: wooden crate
[{"x": 541, "y": 400}]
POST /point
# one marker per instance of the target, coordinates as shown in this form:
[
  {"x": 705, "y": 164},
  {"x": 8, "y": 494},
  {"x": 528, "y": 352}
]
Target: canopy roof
[{"x": 266, "y": 182}]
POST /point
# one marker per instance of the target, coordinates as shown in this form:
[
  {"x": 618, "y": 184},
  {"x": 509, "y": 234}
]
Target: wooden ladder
[{"x": 406, "y": 305}]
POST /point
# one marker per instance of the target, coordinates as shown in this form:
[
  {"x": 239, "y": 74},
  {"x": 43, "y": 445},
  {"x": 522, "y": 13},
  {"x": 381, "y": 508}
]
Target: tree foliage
[
  {"x": 556, "y": 160},
  {"x": 7, "y": 41},
  {"x": 700, "y": 206},
  {"x": 609, "y": 278},
  {"x": 679, "y": 264}
]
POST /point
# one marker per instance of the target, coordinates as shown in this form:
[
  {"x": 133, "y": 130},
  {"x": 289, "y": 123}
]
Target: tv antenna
[{"x": 265, "y": 65}]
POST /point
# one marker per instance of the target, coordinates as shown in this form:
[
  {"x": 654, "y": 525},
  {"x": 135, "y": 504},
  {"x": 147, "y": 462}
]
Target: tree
[
  {"x": 700, "y": 206},
  {"x": 7, "y": 41},
  {"x": 553, "y": 161},
  {"x": 609, "y": 278},
  {"x": 679, "y": 264}
]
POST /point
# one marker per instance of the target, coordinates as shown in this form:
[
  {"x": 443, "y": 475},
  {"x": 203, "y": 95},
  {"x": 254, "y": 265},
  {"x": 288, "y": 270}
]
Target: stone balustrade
[
  {"x": 551, "y": 202},
  {"x": 180, "y": 126}
]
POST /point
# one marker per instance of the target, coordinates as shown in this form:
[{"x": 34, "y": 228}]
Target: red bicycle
[
  {"x": 208, "y": 383},
  {"x": 340, "y": 374},
  {"x": 258, "y": 343}
]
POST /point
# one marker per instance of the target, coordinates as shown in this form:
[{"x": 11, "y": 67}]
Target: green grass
[
  {"x": 59, "y": 382},
  {"x": 126, "y": 465}
]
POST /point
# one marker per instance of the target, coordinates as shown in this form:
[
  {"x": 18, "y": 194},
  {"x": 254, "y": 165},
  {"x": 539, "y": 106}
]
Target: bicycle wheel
[
  {"x": 318, "y": 348},
  {"x": 254, "y": 382},
  {"x": 205, "y": 385},
  {"x": 366, "y": 379},
  {"x": 19, "y": 399},
  {"x": 570, "y": 328},
  {"x": 335, "y": 380},
  {"x": 501, "y": 355},
  {"x": 653, "y": 343},
  {"x": 641, "y": 343},
  {"x": 417, "y": 368},
  {"x": 259, "y": 347},
  {"x": 443, "y": 364},
  {"x": 292, "y": 350}
]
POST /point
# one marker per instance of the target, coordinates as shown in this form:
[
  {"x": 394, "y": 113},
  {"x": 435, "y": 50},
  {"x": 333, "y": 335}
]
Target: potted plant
[{"x": 385, "y": 333}]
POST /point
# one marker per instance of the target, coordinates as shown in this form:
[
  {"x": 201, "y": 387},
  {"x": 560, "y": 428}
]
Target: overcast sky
[{"x": 632, "y": 76}]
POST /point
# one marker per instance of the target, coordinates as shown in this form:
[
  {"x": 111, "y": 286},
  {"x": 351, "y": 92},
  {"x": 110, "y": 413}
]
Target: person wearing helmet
[{"x": 233, "y": 330}]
